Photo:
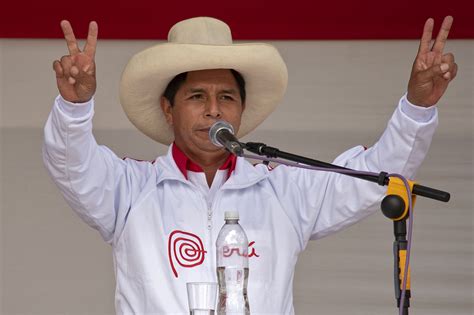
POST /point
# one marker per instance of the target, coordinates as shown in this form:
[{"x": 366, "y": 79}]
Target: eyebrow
[
  {"x": 201, "y": 90},
  {"x": 229, "y": 91},
  {"x": 195, "y": 90}
]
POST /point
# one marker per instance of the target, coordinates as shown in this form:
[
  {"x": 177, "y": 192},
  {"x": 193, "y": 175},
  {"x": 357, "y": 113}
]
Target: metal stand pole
[{"x": 399, "y": 254}]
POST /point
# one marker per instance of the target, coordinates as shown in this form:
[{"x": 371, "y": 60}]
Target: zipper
[
  {"x": 209, "y": 218},
  {"x": 211, "y": 245}
]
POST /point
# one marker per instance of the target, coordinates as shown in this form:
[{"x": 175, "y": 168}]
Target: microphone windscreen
[{"x": 216, "y": 127}]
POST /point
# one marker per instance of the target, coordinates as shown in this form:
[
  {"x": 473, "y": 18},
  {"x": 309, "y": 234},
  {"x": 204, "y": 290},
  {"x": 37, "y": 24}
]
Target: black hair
[{"x": 174, "y": 85}]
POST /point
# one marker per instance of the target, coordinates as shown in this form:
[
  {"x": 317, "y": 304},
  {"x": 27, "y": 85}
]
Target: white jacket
[{"x": 163, "y": 228}]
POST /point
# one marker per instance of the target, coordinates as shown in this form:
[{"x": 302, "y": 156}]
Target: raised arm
[
  {"x": 328, "y": 202},
  {"x": 97, "y": 184}
]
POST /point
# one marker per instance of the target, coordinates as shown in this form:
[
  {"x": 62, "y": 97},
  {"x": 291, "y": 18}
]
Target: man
[{"x": 162, "y": 218}]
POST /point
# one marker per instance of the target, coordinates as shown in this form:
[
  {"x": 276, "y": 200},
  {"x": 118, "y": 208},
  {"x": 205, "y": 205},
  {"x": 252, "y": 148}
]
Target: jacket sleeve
[
  {"x": 98, "y": 185},
  {"x": 321, "y": 203}
]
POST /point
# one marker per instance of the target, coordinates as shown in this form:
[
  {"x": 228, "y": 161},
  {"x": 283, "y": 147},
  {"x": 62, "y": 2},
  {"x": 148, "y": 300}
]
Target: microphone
[{"x": 221, "y": 134}]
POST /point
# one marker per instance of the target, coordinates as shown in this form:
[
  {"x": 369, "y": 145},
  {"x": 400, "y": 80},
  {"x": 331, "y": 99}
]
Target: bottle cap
[{"x": 231, "y": 215}]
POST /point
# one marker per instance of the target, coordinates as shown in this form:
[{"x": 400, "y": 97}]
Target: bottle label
[
  {"x": 229, "y": 251},
  {"x": 233, "y": 256}
]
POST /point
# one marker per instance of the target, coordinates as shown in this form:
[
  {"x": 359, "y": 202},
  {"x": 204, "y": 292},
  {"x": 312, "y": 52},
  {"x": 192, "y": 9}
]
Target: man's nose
[{"x": 213, "y": 108}]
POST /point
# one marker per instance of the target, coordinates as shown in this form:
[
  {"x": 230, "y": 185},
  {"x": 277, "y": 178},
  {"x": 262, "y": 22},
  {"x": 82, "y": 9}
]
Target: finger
[
  {"x": 426, "y": 37},
  {"x": 433, "y": 72},
  {"x": 89, "y": 68},
  {"x": 448, "y": 58},
  {"x": 451, "y": 73},
  {"x": 74, "y": 71},
  {"x": 70, "y": 38},
  {"x": 91, "y": 43},
  {"x": 454, "y": 71},
  {"x": 443, "y": 35},
  {"x": 58, "y": 69},
  {"x": 83, "y": 76},
  {"x": 66, "y": 64}
]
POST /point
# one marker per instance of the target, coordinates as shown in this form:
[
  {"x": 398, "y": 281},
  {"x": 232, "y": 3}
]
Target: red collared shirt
[{"x": 185, "y": 164}]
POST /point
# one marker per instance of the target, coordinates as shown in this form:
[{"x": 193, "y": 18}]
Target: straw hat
[{"x": 199, "y": 44}]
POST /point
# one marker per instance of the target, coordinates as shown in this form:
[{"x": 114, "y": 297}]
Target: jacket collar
[
  {"x": 241, "y": 173},
  {"x": 185, "y": 164}
]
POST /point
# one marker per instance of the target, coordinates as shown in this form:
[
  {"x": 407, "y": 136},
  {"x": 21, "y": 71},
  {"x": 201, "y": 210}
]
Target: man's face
[{"x": 205, "y": 96}]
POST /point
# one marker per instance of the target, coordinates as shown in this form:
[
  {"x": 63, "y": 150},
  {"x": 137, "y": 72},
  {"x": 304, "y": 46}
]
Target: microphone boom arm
[{"x": 382, "y": 179}]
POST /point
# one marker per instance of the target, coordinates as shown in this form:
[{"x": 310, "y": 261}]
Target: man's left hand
[{"x": 432, "y": 70}]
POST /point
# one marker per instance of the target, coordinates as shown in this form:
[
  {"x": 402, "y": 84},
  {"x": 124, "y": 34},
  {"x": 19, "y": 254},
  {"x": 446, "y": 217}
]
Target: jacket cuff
[
  {"x": 417, "y": 113},
  {"x": 74, "y": 110}
]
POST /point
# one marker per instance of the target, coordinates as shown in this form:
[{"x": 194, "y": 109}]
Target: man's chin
[
  {"x": 211, "y": 148},
  {"x": 206, "y": 146}
]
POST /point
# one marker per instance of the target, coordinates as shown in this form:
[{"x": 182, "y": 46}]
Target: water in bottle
[{"x": 232, "y": 267}]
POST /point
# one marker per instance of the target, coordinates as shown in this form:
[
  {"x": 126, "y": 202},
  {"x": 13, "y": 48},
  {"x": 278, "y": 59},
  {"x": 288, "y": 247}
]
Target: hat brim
[{"x": 147, "y": 74}]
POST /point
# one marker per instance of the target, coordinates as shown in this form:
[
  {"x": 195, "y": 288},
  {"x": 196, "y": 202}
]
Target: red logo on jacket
[{"x": 187, "y": 250}]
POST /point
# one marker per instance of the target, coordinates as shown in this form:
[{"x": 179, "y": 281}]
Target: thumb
[
  {"x": 434, "y": 71},
  {"x": 84, "y": 75},
  {"x": 85, "y": 82},
  {"x": 89, "y": 68}
]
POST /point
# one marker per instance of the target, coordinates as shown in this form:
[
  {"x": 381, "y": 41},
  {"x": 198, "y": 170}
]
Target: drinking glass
[{"x": 202, "y": 297}]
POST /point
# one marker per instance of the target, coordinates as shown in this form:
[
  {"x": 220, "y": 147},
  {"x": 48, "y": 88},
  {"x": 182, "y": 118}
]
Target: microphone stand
[{"x": 394, "y": 206}]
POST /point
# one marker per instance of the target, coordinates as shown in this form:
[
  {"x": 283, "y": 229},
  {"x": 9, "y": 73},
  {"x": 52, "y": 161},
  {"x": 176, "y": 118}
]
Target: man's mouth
[
  {"x": 203, "y": 132},
  {"x": 204, "y": 129}
]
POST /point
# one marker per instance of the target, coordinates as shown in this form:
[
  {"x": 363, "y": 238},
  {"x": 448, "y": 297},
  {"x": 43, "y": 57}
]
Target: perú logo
[
  {"x": 227, "y": 252},
  {"x": 186, "y": 249}
]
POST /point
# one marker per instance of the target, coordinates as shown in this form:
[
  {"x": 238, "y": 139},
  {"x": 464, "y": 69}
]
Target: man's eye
[
  {"x": 227, "y": 97},
  {"x": 196, "y": 96}
]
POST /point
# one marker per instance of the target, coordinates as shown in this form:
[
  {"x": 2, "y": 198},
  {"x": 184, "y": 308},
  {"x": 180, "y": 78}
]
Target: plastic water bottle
[{"x": 232, "y": 267}]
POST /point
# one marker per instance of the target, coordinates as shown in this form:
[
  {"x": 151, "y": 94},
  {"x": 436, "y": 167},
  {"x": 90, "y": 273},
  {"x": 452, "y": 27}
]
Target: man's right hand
[{"x": 75, "y": 73}]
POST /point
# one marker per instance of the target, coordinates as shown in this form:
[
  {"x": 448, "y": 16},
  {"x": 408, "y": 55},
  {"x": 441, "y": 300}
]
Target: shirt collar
[{"x": 185, "y": 164}]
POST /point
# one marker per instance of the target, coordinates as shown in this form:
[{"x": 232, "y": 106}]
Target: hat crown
[{"x": 200, "y": 30}]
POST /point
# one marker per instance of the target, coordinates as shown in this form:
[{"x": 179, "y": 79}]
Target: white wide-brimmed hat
[{"x": 200, "y": 43}]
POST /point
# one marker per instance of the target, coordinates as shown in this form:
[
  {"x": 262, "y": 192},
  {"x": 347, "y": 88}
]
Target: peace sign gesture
[
  {"x": 432, "y": 70},
  {"x": 75, "y": 73}
]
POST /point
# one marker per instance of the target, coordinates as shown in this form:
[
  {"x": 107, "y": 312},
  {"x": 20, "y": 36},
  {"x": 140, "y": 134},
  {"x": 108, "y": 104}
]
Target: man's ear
[{"x": 167, "y": 109}]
